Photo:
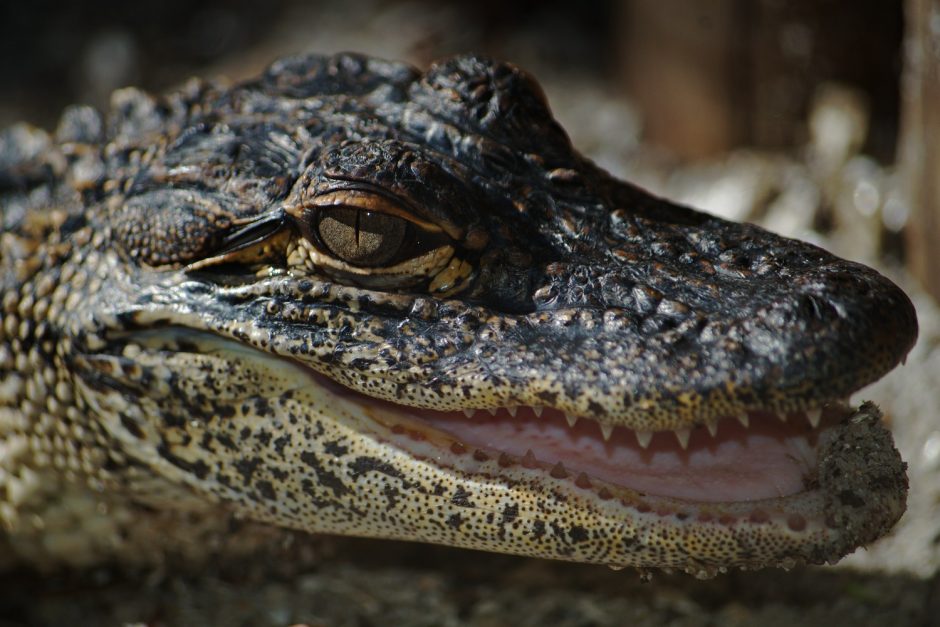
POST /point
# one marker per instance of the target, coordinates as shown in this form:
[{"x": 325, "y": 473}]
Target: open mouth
[
  {"x": 822, "y": 479},
  {"x": 750, "y": 490},
  {"x": 752, "y": 457}
]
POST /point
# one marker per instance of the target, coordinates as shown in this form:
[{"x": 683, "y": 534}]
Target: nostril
[
  {"x": 815, "y": 307},
  {"x": 858, "y": 318},
  {"x": 809, "y": 307}
]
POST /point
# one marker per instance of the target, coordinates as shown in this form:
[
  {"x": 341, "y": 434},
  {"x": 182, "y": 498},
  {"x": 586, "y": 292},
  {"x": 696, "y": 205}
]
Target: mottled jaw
[{"x": 754, "y": 489}]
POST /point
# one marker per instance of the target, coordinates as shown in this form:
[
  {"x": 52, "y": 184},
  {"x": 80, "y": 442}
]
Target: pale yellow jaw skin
[{"x": 322, "y": 462}]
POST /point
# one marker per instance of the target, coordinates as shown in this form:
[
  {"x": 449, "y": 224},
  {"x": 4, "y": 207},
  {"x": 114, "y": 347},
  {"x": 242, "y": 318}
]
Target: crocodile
[{"x": 351, "y": 297}]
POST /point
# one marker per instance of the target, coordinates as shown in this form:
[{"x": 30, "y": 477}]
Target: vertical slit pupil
[{"x": 361, "y": 237}]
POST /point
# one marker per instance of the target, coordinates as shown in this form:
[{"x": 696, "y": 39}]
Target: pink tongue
[{"x": 766, "y": 460}]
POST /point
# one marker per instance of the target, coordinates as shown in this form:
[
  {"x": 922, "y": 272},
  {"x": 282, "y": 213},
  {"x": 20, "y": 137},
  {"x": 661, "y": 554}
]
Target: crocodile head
[{"x": 350, "y": 297}]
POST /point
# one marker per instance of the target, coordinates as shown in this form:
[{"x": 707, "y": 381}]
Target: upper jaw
[{"x": 601, "y": 362}]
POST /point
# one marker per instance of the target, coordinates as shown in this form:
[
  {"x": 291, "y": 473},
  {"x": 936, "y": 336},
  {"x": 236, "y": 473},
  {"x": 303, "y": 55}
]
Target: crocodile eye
[
  {"x": 361, "y": 237},
  {"x": 366, "y": 232},
  {"x": 371, "y": 239}
]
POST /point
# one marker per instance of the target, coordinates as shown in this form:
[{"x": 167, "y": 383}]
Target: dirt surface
[{"x": 381, "y": 583}]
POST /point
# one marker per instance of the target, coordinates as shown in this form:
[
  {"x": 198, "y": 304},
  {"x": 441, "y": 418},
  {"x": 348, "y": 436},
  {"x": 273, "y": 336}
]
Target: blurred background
[
  {"x": 698, "y": 100},
  {"x": 817, "y": 119}
]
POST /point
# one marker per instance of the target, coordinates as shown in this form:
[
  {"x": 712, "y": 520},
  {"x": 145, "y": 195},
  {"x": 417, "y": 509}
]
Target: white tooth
[
  {"x": 814, "y": 416},
  {"x": 512, "y": 410},
  {"x": 606, "y": 431},
  {"x": 683, "y": 436},
  {"x": 529, "y": 460},
  {"x": 743, "y": 418},
  {"x": 712, "y": 428},
  {"x": 492, "y": 411},
  {"x": 644, "y": 437},
  {"x": 469, "y": 412},
  {"x": 559, "y": 471},
  {"x": 572, "y": 419},
  {"x": 782, "y": 416},
  {"x": 537, "y": 410}
]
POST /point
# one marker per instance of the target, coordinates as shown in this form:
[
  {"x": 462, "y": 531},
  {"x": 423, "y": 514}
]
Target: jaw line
[
  {"x": 767, "y": 459},
  {"x": 810, "y": 526},
  {"x": 801, "y": 512},
  {"x": 821, "y": 516},
  {"x": 399, "y": 426}
]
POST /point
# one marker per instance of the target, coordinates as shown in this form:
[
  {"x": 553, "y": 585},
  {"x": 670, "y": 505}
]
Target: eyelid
[{"x": 370, "y": 202}]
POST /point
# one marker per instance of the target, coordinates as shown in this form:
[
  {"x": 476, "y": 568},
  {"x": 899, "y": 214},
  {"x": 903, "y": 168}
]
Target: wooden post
[
  {"x": 920, "y": 141},
  {"x": 679, "y": 60},
  {"x": 711, "y": 75}
]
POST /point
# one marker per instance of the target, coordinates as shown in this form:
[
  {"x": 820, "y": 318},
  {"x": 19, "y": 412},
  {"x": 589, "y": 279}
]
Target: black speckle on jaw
[
  {"x": 461, "y": 498},
  {"x": 325, "y": 477},
  {"x": 197, "y": 468}
]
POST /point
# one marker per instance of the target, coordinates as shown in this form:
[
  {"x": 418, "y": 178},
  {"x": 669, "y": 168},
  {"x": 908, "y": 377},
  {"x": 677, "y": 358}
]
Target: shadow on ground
[{"x": 362, "y": 583}]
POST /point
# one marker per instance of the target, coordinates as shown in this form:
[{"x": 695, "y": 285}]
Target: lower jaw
[
  {"x": 802, "y": 509},
  {"x": 858, "y": 494}
]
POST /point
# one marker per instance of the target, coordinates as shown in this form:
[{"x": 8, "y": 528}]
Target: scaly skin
[{"x": 178, "y": 334}]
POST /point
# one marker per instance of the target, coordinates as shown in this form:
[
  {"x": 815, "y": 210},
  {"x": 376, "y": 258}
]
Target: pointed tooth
[
  {"x": 512, "y": 409},
  {"x": 469, "y": 412},
  {"x": 558, "y": 471},
  {"x": 683, "y": 436},
  {"x": 572, "y": 419},
  {"x": 743, "y": 419},
  {"x": 583, "y": 481},
  {"x": 529, "y": 460},
  {"x": 814, "y": 416},
  {"x": 644, "y": 437},
  {"x": 782, "y": 416},
  {"x": 537, "y": 410},
  {"x": 606, "y": 431},
  {"x": 712, "y": 428},
  {"x": 492, "y": 411}
]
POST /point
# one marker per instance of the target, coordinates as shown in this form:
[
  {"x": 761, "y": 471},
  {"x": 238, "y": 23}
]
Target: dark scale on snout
[{"x": 189, "y": 278}]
